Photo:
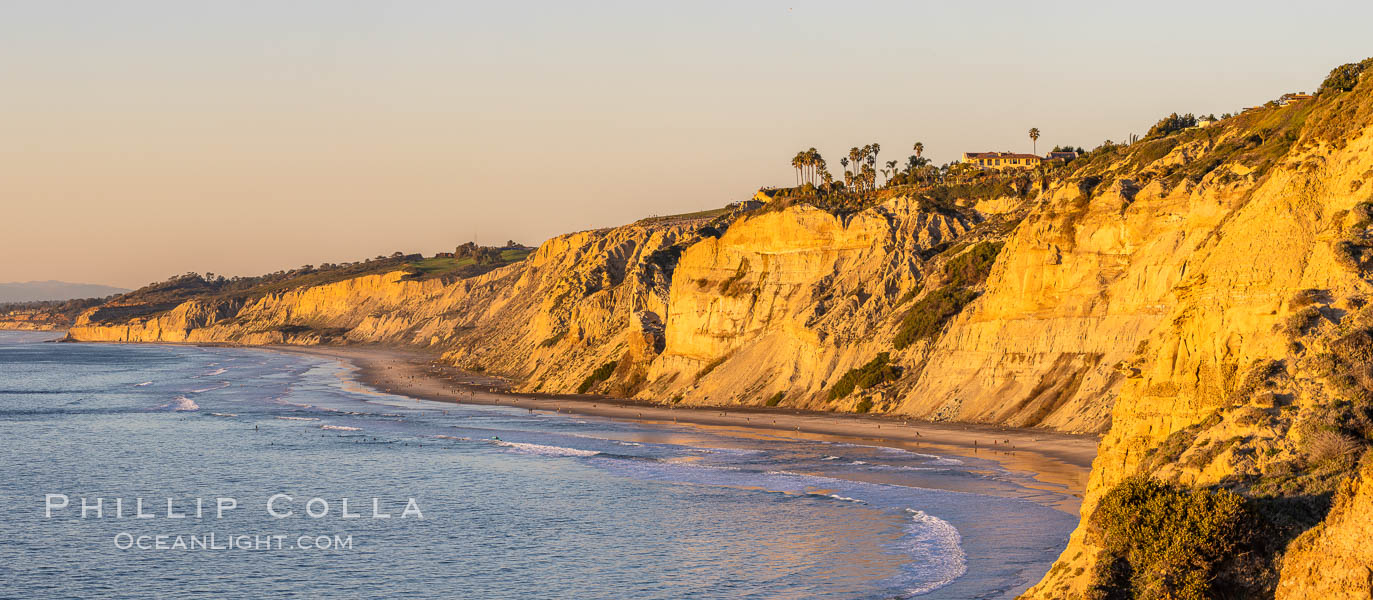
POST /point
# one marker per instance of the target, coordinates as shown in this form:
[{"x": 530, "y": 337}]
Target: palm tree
[
  {"x": 873, "y": 150},
  {"x": 812, "y": 160},
  {"x": 891, "y": 168},
  {"x": 1034, "y": 138},
  {"x": 919, "y": 149},
  {"x": 856, "y": 157},
  {"x": 796, "y": 162}
]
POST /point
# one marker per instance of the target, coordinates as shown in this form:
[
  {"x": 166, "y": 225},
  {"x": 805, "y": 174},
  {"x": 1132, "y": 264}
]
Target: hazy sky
[{"x": 144, "y": 139}]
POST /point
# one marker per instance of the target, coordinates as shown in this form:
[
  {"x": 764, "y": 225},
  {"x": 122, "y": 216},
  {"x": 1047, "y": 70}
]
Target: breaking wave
[
  {"x": 545, "y": 450},
  {"x": 941, "y": 547},
  {"x": 180, "y": 404}
]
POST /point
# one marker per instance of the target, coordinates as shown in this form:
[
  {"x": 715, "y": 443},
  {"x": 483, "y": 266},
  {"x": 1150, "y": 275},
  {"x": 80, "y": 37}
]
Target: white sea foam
[
  {"x": 219, "y": 371},
  {"x": 545, "y": 450},
  {"x": 908, "y": 468},
  {"x": 211, "y": 389},
  {"x": 179, "y": 404},
  {"x": 143, "y": 384},
  {"x": 340, "y": 428},
  {"x": 830, "y": 458},
  {"x": 940, "y": 546},
  {"x": 298, "y": 418},
  {"x": 454, "y": 437},
  {"x": 223, "y": 414},
  {"x": 846, "y": 498}
]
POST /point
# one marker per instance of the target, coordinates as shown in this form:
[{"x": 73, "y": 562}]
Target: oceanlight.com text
[{"x": 213, "y": 541}]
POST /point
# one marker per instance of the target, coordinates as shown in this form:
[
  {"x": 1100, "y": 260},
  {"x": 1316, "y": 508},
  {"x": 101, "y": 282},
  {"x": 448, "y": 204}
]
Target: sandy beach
[{"x": 1058, "y": 462}]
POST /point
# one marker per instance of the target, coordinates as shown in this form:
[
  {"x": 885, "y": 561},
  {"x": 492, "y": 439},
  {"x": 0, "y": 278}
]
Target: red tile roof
[{"x": 967, "y": 155}]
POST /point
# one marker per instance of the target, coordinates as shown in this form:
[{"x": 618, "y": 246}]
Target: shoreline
[{"x": 1058, "y": 463}]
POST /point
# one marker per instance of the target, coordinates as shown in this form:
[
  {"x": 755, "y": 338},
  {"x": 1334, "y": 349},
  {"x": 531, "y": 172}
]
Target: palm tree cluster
[
  {"x": 862, "y": 178},
  {"x": 861, "y": 169},
  {"x": 810, "y": 168}
]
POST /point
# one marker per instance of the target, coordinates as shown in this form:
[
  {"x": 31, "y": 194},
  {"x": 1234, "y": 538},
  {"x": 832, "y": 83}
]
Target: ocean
[{"x": 244, "y": 459}]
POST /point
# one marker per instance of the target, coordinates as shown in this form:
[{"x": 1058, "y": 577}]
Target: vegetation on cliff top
[
  {"x": 46, "y": 314},
  {"x": 165, "y": 295},
  {"x": 475, "y": 261}
]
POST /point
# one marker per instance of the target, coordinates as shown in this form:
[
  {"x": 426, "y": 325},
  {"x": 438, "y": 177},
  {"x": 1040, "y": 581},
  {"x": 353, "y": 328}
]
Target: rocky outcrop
[{"x": 1334, "y": 560}]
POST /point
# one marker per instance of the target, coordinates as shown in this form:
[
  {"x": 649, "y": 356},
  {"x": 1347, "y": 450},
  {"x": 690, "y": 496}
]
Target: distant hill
[{"x": 30, "y": 291}]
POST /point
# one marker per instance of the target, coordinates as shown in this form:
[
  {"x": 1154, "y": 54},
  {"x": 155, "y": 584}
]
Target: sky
[{"x": 140, "y": 140}]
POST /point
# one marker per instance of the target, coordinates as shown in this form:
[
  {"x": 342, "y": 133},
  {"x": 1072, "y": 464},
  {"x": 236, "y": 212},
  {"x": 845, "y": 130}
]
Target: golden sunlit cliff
[{"x": 1200, "y": 296}]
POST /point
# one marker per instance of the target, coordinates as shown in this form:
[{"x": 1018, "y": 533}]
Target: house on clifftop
[
  {"x": 1001, "y": 160},
  {"x": 1293, "y": 98}
]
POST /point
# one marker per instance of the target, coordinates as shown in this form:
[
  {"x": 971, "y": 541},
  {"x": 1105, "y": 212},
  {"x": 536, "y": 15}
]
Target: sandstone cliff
[
  {"x": 1254, "y": 375},
  {"x": 1201, "y": 296}
]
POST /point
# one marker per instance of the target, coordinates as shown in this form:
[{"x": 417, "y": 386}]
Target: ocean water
[{"x": 511, "y": 504}]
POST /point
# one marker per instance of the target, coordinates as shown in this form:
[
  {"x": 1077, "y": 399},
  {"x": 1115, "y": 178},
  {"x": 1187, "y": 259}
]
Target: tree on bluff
[
  {"x": 1172, "y": 123},
  {"x": 1344, "y": 77},
  {"x": 481, "y": 255}
]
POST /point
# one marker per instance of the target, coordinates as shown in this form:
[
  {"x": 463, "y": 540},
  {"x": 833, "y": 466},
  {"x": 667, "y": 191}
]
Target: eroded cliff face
[
  {"x": 1202, "y": 298},
  {"x": 1242, "y": 367},
  {"x": 788, "y": 300}
]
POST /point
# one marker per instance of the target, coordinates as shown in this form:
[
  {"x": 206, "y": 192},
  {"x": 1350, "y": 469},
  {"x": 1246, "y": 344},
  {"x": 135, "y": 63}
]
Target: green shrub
[
  {"x": 877, "y": 370},
  {"x": 1344, "y": 77},
  {"x": 1172, "y": 123},
  {"x": 863, "y": 406},
  {"x": 1297, "y": 323},
  {"x": 1304, "y": 298},
  {"x": 1331, "y": 448},
  {"x": 927, "y": 316},
  {"x": 971, "y": 268},
  {"x": 775, "y": 399},
  {"x": 601, "y": 373},
  {"x": 710, "y": 366},
  {"x": 1204, "y": 455},
  {"x": 1164, "y": 541},
  {"x": 1145, "y": 153}
]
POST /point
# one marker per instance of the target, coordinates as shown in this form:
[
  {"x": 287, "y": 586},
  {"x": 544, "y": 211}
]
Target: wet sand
[{"x": 1050, "y": 461}]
